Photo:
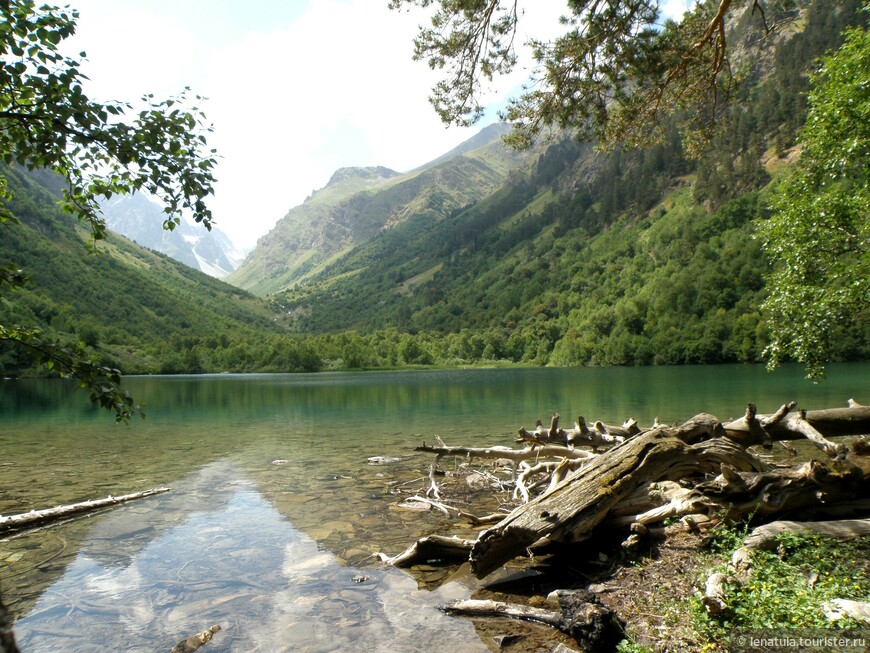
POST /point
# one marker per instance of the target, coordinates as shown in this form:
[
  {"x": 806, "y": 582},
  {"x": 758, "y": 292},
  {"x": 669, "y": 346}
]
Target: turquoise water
[{"x": 275, "y": 512}]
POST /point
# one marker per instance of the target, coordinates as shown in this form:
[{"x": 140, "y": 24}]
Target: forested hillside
[
  {"x": 561, "y": 255},
  {"x": 132, "y": 308},
  {"x": 633, "y": 257}
]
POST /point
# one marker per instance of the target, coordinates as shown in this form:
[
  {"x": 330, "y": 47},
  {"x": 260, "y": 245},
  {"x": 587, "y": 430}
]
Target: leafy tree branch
[
  {"x": 819, "y": 234},
  {"x": 99, "y": 149},
  {"x": 614, "y": 75}
]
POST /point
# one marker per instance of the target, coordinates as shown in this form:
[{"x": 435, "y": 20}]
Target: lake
[{"x": 275, "y": 511}]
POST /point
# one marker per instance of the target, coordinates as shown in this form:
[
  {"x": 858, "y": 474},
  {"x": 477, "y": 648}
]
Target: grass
[{"x": 786, "y": 587}]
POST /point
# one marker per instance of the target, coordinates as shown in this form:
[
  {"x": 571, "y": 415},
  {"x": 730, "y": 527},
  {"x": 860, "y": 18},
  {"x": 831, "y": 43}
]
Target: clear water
[{"x": 274, "y": 552}]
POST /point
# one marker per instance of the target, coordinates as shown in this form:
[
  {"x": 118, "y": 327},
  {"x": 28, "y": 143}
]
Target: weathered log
[
  {"x": 34, "y": 518},
  {"x": 580, "y": 616},
  {"x": 831, "y": 422},
  {"x": 569, "y": 511},
  {"x": 430, "y": 549},
  {"x": 715, "y": 598},
  {"x": 734, "y": 494},
  {"x": 805, "y": 486}
]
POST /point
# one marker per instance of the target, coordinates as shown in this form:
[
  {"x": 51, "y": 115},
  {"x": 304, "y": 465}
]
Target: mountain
[
  {"x": 566, "y": 255},
  {"x": 141, "y": 220},
  {"x": 359, "y": 203},
  {"x": 130, "y": 307}
]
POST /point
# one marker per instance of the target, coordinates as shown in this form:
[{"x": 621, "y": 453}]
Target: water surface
[{"x": 275, "y": 512}]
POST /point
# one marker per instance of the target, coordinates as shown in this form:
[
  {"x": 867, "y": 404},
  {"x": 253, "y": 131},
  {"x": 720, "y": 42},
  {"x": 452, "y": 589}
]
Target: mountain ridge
[
  {"x": 141, "y": 220},
  {"x": 358, "y": 203}
]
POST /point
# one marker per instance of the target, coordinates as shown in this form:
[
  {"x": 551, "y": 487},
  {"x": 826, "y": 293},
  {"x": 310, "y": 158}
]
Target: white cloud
[{"x": 295, "y": 90}]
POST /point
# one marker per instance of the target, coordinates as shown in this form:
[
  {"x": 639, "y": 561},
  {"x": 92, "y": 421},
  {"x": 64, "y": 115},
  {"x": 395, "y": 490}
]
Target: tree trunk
[
  {"x": 754, "y": 429},
  {"x": 569, "y": 511},
  {"x": 36, "y": 518}
]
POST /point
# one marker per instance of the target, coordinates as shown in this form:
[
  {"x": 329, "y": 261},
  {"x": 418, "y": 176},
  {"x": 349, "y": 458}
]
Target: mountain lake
[{"x": 276, "y": 509}]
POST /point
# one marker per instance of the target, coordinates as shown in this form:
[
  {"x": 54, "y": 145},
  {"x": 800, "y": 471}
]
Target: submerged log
[{"x": 36, "y": 518}]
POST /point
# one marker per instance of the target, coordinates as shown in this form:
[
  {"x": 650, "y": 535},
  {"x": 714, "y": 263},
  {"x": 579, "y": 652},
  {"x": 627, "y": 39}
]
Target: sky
[{"x": 294, "y": 89}]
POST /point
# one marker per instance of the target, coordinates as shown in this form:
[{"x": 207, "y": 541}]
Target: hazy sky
[{"x": 295, "y": 88}]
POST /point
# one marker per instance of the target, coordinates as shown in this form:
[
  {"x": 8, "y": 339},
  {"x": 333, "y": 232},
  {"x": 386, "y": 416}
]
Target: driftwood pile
[{"x": 571, "y": 484}]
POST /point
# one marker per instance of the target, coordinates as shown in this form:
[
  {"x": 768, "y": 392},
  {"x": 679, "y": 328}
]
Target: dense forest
[{"x": 633, "y": 257}]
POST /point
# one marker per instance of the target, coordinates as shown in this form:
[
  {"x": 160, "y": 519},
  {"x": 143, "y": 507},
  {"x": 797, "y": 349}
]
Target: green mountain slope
[
  {"x": 136, "y": 309},
  {"x": 563, "y": 255},
  {"x": 584, "y": 258},
  {"x": 359, "y": 203}
]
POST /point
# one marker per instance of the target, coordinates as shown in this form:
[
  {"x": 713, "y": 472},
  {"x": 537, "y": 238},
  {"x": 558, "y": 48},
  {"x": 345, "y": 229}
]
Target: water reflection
[
  {"x": 215, "y": 552},
  {"x": 269, "y": 551}
]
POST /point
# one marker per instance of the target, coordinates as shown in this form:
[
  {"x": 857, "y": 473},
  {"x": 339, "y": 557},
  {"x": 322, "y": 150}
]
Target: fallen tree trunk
[
  {"x": 35, "y": 518},
  {"x": 753, "y": 429},
  {"x": 570, "y": 510}
]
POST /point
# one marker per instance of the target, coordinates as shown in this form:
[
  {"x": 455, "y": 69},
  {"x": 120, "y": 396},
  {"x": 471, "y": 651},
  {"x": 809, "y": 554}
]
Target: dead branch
[
  {"x": 429, "y": 550},
  {"x": 34, "y": 518},
  {"x": 580, "y": 616}
]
